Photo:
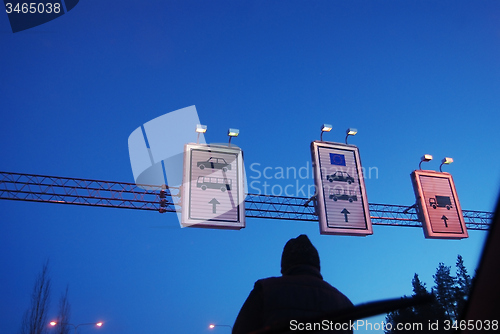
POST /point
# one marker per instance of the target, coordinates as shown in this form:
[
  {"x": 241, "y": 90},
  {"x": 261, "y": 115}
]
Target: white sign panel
[
  {"x": 438, "y": 204},
  {"x": 213, "y": 193},
  {"x": 341, "y": 201}
]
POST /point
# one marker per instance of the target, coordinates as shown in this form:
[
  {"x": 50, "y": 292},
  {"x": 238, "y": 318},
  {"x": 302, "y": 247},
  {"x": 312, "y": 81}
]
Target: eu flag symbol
[{"x": 337, "y": 159}]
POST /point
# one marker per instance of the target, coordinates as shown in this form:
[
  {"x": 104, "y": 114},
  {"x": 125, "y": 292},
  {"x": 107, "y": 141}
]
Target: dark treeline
[{"x": 450, "y": 295}]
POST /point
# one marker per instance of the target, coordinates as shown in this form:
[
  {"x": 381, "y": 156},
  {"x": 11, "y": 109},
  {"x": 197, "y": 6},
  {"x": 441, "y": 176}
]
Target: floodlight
[
  {"x": 200, "y": 129},
  {"x": 99, "y": 324},
  {"x": 350, "y": 132},
  {"x": 53, "y": 323},
  {"x": 325, "y": 128},
  {"x": 232, "y": 133},
  {"x": 445, "y": 161},
  {"x": 424, "y": 158}
]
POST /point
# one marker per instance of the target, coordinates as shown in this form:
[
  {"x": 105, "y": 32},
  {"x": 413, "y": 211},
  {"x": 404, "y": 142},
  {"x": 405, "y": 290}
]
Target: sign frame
[
  {"x": 423, "y": 209},
  {"x": 321, "y": 197},
  {"x": 187, "y": 202}
]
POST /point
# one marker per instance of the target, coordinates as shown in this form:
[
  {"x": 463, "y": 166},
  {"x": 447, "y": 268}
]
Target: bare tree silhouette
[{"x": 35, "y": 318}]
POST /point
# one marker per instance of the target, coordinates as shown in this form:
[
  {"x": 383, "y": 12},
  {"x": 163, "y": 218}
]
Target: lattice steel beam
[
  {"x": 295, "y": 208},
  {"x": 52, "y": 189},
  {"x": 278, "y": 207}
]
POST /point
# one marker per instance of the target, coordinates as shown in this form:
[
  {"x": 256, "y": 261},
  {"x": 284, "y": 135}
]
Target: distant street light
[
  {"x": 98, "y": 324},
  {"x": 350, "y": 132},
  {"x": 424, "y": 158},
  {"x": 445, "y": 161},
  {"x": 325, "y": 128},
  {"x": 212, "y": 326}
]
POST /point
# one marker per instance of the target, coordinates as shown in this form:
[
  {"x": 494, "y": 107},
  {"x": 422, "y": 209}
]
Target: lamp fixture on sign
[
  {"x": 445, "y": 161},
  {"x": 325, "y": 128},
  {"x": 424, "y": 158},
  {"x": 232, "y": 133},
  {"x": 200, "y": 129},
  {"x": 350, "y": 132}
]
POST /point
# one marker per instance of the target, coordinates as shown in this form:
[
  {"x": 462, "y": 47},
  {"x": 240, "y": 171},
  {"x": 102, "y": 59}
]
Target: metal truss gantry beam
[{"x": 63, "y": 190}]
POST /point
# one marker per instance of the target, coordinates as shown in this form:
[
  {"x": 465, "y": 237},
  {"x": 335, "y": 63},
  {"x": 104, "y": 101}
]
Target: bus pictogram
[{"x": 221, "y": 183}]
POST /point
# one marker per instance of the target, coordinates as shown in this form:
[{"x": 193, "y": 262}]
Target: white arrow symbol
[{"x": 214, "y": 203}]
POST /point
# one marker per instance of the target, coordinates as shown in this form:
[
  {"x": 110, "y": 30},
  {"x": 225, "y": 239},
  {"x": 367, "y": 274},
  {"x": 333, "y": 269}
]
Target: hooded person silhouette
[{"x": 299, "y": 293}]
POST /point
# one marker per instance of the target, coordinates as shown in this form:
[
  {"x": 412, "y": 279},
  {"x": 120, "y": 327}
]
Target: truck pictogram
[{"x": 440, "y": 202}]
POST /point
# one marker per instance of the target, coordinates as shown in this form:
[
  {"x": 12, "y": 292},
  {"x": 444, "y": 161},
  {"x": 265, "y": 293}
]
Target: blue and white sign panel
[
  {"x": 439, "y": 208},
  {"x": 213, "y": 193},
  {"x": 341, "y": 201}
]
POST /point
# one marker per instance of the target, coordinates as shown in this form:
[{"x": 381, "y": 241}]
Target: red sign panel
[{"x": 439, "y": 208}]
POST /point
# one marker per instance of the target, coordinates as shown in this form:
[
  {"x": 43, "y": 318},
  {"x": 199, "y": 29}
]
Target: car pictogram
[
  {"x": 340, "y": 176},
  {"x": 214, "y": 163}
]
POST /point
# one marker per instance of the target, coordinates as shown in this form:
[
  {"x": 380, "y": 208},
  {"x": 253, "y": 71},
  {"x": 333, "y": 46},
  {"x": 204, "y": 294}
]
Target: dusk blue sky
[{"x": 414, "y": 77}]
